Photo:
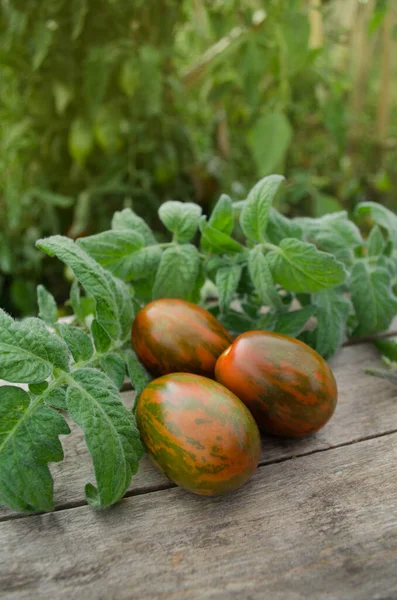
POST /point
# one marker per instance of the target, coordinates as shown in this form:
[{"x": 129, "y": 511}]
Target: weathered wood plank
[
  {"x": 318, "y": 527},
  {"x": 367, "y": 407}
]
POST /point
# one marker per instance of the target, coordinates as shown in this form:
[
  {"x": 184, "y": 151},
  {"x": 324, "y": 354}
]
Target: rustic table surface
[{"x": 318, "y": 520}]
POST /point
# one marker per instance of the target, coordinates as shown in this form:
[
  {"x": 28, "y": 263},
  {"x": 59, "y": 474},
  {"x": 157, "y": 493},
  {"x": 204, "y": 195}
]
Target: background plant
[{"x": 106, "y": 105}]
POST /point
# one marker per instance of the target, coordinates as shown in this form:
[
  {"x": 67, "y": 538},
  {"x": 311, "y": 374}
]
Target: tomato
[
  {"x": 171, "y": 335},
  {"x": 198, "y": 433},
  {"x": 288, "y": 387}
]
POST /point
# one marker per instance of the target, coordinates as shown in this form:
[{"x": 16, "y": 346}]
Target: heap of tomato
[{"x": 199, "y": 432}]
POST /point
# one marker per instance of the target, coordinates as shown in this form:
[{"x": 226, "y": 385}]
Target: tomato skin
[
  {"x": 171, "y": 335},
  {"x": 288, "y": 387},
  {"x": 198, "y": 433}
]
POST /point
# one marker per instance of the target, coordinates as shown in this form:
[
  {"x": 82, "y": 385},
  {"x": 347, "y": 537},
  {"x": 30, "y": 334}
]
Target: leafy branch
[{"x": 68, "y": 368}]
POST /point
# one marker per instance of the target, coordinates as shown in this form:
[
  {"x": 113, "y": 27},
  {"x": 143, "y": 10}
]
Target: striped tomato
[
  {"x": 198, "y": 433},
  {"x": 287, "y": 386},
  {"x": 172, "y": 335}
]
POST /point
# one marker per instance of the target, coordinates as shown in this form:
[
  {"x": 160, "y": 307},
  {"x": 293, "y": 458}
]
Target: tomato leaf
[
  {"x": 177, "y": 272},
  {"x": 47, "y": 305},
  {"x": 381, "y": 215},
  {"x": 114, "y": 367},
  {"x": 142, "y": 264},
  {"x": 262, "y": 279},
  {"x": 127, "y": 219},
  {"x": 101, "y": 339},
  {"x": 374, "y": 301},
  {"x": 218, "y": 241},
  {"x": 255, "y": 214},
  {"x": 289, "y": 323},
  {"x": 113, "y": 304},
  {"x": 227, "y": 280},
  {"x": 181, "y": 218},
  {"x": 110, "y": 432},
  {"x": 222, "y": 215},
  {"x": 280, "y": 227},
  {"x": 138, "y": 375},
  {"x": 113, "y": 249},
  {"x": 300, "y": 267},
  {"x": 29, "y": 440},
  {"x": 28, "y": 351},
  {"x": 332, "y": 311},
  {"x": 78, "y": 341},
  {"x": 375, "y": 242}
]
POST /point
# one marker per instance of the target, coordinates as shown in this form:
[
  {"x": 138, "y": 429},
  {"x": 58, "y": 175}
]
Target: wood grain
[
  {"x": 318, "y": 527},
  {"x": 367, "y": 407}
]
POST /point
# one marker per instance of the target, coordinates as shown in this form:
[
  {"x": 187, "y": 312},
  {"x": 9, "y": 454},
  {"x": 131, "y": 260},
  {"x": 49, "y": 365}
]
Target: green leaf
[
  {"x": 300, "y": 267},
  {"x": 138, "y": 375},
  {"x": 177, "y": 272},
  {"x": 29, "y": 440},
  {"x": 127, "y": 219},
  {"x": 338, "y": 233},
  {"x": 332, "y": 313},
  {"x": 292, "y": 323},
  {"x": 38, "y": 388},
  {"x": 227, "y": 280},
  {"x": 375, "y": 243},
  {"x": 222, "y": 215},
  {"x": 47, "y": 305},
  {"x": 269, "y": 140},
  {"x": 333, "y": 233},
  {"x": 28, "y": 351},
  {"x": 373, "y": 299},
  {"x": 113, "y": 305},
  {"x": 142, "y": 264},
  {"x": 79, "y": 12},
  {"x": 387, "y": 348},
  {"x": 181, "y": 218},
  {"x": 218, "y": 241},
  {"x": 110, "y": 432},
  {"x": 107, "y": 121},
  {"x": 80, "y": 140},
  {"x": 255, "y": 214},
  {"x": 129, "y": 79},
  {"x": 113, "y": 249},
  {"x": 42, "y": 39},
  {"x": 114, "y": 367},
  {"x": 237, "y": 322},
  {"x": 280, "y": 227},
  {"x": 82, "y": 306},
  {"x": 381, "y": 215},
  {"x": 262, "y": 279},
  {"x": 78, "y": 341},
  {"x": 101, "y": 339},
  {"x": 55, "y": 397}
]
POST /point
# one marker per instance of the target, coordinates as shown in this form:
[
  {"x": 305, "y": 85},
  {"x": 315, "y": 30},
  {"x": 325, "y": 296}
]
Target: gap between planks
[{"x": 161, "y": 488}]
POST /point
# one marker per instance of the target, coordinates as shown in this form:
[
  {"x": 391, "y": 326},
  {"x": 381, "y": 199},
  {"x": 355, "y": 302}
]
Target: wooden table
[{"x": 318, "y": 520}]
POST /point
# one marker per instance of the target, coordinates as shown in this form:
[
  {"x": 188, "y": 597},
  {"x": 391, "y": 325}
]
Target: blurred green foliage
[{"x": 106, "y": 104}]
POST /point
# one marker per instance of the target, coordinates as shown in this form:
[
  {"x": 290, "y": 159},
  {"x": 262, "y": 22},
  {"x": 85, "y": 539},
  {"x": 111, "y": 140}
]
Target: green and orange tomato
[
  {"x": 171, "y": 335},
  {"x": 198, "y": 433},
  {"x": 288, "y": 387}
]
